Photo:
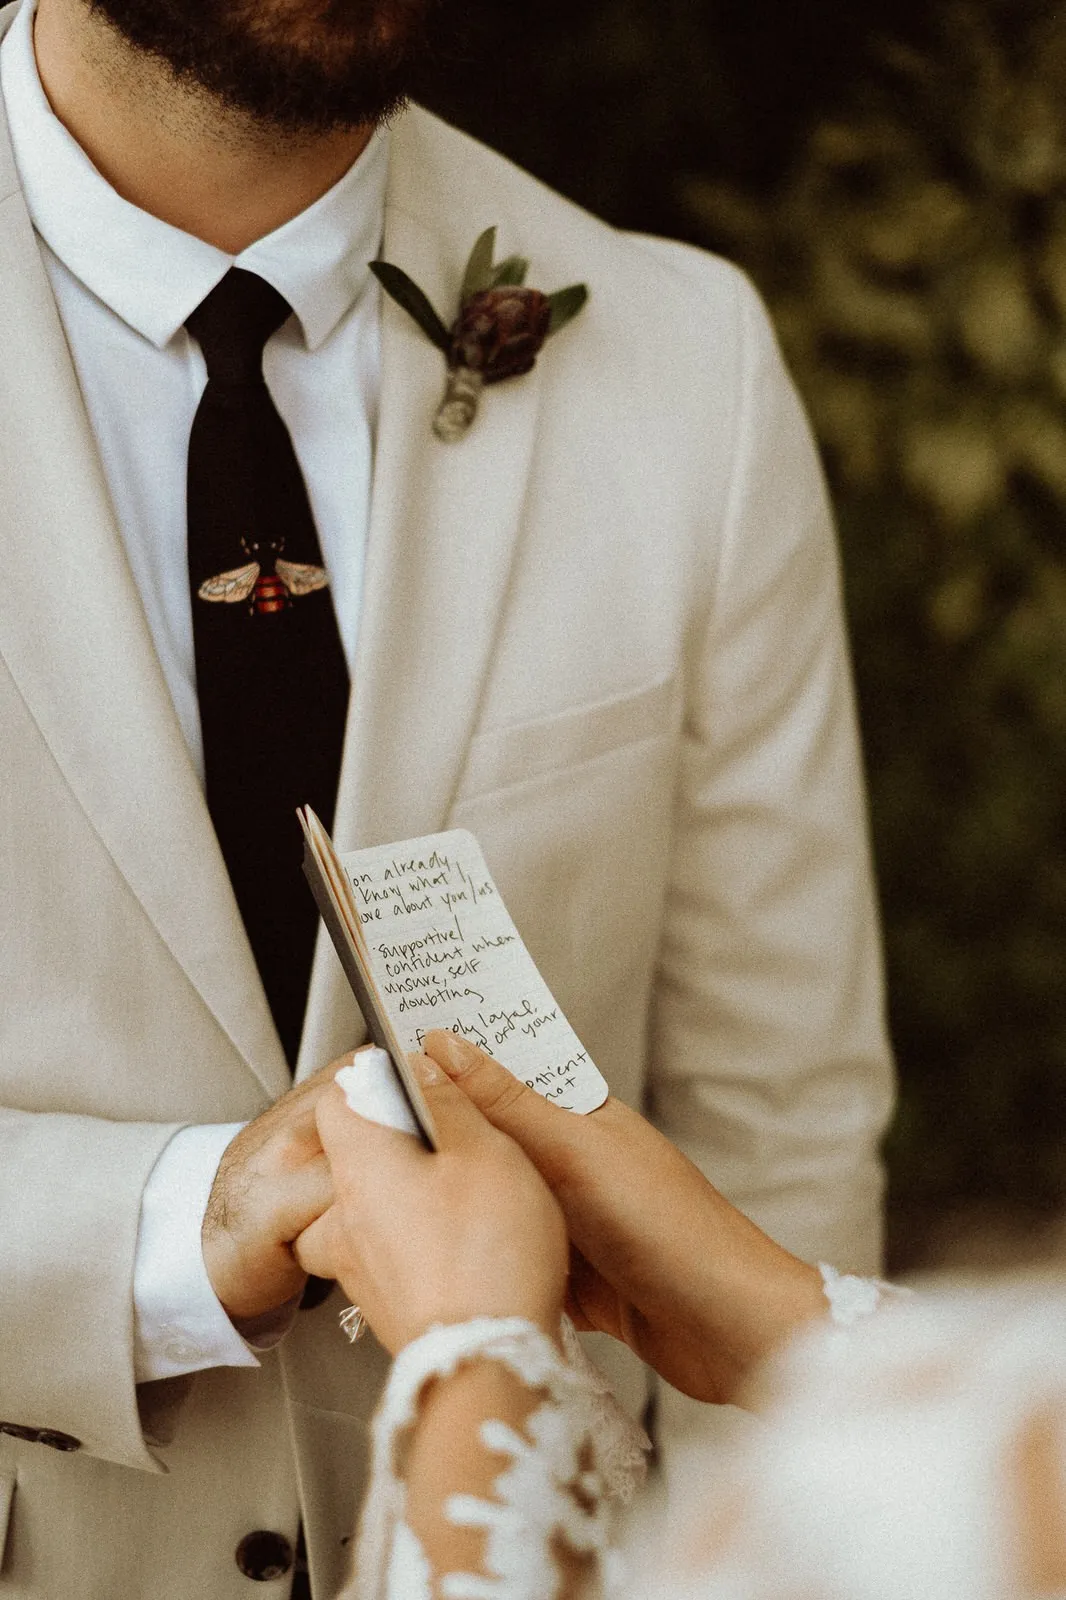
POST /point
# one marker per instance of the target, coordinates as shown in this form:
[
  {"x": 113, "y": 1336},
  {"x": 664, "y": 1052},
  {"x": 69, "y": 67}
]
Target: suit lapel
[
  {"x": 442, "y": 533},
  {"x": 73, "y": 633},
  {"x": 442, "y": 537},
  {"x": 74, "y": 636}
]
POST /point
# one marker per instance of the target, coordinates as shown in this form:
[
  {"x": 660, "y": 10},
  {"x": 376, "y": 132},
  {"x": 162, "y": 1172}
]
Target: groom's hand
[{"x": 272, "y": 1182}]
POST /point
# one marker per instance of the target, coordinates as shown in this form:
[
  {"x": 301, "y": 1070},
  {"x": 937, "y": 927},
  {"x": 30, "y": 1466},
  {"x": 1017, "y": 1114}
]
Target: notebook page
[{"x": 445, "y": 954}]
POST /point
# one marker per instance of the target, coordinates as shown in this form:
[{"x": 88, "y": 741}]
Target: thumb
[
  {"x": 313, "y": 1248},
  {"x": 510, "y": 1105},
  {"x": 458, "y": 1118}
]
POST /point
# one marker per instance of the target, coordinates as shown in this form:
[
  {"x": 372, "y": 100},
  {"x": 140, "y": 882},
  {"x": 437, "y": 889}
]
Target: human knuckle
[
  {"x": 285, "y": 1145},
  {"x": 503, "y": 1095}
]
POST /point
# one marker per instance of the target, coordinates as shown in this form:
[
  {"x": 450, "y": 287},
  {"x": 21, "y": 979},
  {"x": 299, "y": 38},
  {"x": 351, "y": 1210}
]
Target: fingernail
[
  {"x": 427, "y": 1070},
  {"x": 455, "y": 1054}
]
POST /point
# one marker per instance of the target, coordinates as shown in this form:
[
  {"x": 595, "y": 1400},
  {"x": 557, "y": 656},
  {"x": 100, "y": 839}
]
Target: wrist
[
  {"x": 179, "y": 1325},
  {"x": 456, "y": 1314},
  {"x": 441, "y": 1393},
  {"x": 748, "y": 1309},
  {"x": 447, "y": 1454}
]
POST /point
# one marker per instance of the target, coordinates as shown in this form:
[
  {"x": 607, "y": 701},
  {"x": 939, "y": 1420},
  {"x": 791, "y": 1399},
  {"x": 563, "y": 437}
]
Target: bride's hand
[
  {"x": 661, "y": 1260},
  {"x": 418, "y": 1237}
]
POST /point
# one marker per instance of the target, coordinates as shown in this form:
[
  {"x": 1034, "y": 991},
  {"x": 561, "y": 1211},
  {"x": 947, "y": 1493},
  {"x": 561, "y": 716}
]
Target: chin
[{"x": 299, "y": 64}]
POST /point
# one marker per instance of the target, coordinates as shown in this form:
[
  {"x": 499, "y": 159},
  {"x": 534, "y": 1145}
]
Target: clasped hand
[{"x": 526, "y": 1209}]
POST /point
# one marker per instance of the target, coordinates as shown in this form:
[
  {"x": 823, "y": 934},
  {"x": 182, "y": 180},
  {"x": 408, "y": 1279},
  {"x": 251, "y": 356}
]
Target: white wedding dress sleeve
[
  {"x": 577, "y": 1453},
  {"x": 880, "y": 1469},
  {"x": 577, "y": 1457},
  {"x": 884, "y": 1467}
]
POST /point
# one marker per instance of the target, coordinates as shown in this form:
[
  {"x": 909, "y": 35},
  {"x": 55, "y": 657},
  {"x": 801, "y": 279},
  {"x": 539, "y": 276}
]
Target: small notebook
[{"x": 426, "y": 942}]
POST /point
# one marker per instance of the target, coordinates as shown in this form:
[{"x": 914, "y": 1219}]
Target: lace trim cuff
[
  {"x": 852, "y": 1299},
  {"x": 581, "y": 1451}
]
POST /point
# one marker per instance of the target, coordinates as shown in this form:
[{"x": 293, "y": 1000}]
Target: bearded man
[{"x": 602, "y": 630}]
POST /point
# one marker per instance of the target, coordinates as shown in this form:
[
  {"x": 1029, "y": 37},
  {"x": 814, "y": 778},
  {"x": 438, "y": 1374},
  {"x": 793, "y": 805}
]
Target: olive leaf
[
  {"x": 566, "y": 303},
  {"x": 510, "y": 272},
  {"x": 407, "y": 294},
  {"x": 478, "y": 274}
]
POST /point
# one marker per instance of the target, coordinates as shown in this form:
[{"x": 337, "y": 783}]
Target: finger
[
  {"x": 459, "y": 1121},
  {"x": 591, "y": 1301},
  {"x": 293, "y": 1116},
  {"x": 306, "y": 1194},
  {"x": 577, "y": 1315},
  {"x": 355, "y": 1145},
  {"x": 577, "y": 1266},
  {"x": 300, "y": 1102},
  {"x": 509, "y": 1104},
  {"x": 313, "y": 1248},
  {"x": 559, "y": 1142}
]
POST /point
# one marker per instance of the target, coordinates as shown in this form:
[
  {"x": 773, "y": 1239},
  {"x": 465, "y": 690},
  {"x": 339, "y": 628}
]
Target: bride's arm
[
  {"x": 447, "y": 1456},
  {"x": 449, "y": 1465},
  {"x": 458, "y": 1259},
  {"x": 662, "y": 1260},
  {"x": 483, "y": 1467}
]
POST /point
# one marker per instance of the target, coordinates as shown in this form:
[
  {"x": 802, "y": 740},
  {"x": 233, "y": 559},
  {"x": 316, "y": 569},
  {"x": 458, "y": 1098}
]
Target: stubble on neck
[{"x": 172, "y": 148}]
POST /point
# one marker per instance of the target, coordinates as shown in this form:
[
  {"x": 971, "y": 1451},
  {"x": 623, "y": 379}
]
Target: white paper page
[{"x": 446, "y": 954}]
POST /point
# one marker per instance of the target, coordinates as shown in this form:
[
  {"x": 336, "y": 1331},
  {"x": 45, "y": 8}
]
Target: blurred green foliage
[{"x": 904, "y": 214}]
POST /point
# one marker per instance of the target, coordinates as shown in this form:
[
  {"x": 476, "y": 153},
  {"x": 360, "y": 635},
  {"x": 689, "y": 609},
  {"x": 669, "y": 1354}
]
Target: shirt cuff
[{"x": 179, "y": 1324}]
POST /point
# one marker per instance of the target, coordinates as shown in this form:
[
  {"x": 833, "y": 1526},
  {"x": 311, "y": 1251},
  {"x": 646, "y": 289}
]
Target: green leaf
[
  {"x": 407, "y": 294},
  {"x": 512, "y": 271},
  {"x": 565, "y": 304},
  {"x": 478, "y": 274}
]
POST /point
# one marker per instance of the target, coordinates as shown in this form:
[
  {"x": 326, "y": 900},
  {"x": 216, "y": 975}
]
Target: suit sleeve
[
  {"x": 70, "y": 1197},
  {"x": 769, "y": 1059}
]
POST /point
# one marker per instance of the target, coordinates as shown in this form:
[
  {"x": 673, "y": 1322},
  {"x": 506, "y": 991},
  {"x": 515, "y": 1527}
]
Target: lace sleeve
[
  {"x": 577, "y": 1452},
  {"x": 885, "y": 1466},
  {"x": 851, "y": 1299}
]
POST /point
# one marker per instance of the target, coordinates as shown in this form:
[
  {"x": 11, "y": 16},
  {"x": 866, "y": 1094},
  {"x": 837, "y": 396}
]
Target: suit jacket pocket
[{"x": 521, "y": 752}]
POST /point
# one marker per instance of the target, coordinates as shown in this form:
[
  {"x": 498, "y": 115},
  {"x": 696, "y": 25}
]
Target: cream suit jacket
[{"x": 603, "y": 632}]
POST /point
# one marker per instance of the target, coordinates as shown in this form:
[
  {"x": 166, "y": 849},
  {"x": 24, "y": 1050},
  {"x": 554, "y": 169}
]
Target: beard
[{"x": 308, "y": 66}]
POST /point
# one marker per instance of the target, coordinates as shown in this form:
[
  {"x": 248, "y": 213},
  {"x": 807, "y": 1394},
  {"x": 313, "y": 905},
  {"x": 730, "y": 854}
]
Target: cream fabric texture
[
  {"x": 124, "y": 283},
  {"x": 883, "y": 1468},
  {"x": 604, "y": 633}
]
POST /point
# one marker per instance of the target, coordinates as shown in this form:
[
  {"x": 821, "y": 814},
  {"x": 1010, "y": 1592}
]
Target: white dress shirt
[{"x": 124, "y": 283}]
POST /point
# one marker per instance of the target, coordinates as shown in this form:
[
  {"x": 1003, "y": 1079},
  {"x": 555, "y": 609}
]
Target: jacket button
[
  {"x": 264, "y": 1555},
  {"x": 316, "y": 1290}
]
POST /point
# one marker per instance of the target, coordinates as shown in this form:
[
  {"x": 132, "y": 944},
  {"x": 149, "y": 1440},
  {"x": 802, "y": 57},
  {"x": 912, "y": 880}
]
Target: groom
[{"x": 602, "y": 631}]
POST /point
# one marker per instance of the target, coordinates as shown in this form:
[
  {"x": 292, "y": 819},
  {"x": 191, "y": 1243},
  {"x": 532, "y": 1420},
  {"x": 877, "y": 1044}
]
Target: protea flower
[{"x": 497, "y": 334}]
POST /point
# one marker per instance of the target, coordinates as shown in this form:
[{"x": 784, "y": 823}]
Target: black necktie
[{"x": 271, "y": 677}]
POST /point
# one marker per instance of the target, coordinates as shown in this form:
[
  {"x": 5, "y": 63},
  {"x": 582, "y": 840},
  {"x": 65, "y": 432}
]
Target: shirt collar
[{"x": 154, "y": 275}]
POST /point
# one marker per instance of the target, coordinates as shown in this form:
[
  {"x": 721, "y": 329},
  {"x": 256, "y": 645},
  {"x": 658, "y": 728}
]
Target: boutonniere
[{"x": 497, "y": 333}]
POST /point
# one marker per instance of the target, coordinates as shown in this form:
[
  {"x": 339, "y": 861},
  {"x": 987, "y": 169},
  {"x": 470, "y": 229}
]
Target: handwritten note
[{"x": 445, "y": 954}]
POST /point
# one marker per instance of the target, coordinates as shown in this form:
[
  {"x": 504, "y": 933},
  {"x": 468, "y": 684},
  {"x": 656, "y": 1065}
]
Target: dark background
[
  {"x": 613, "y": 101},
  {"x": 893, "y": 176}
]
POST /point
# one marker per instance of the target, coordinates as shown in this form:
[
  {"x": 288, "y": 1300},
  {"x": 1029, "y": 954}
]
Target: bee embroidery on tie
[{"x": 266, "y": 592}]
